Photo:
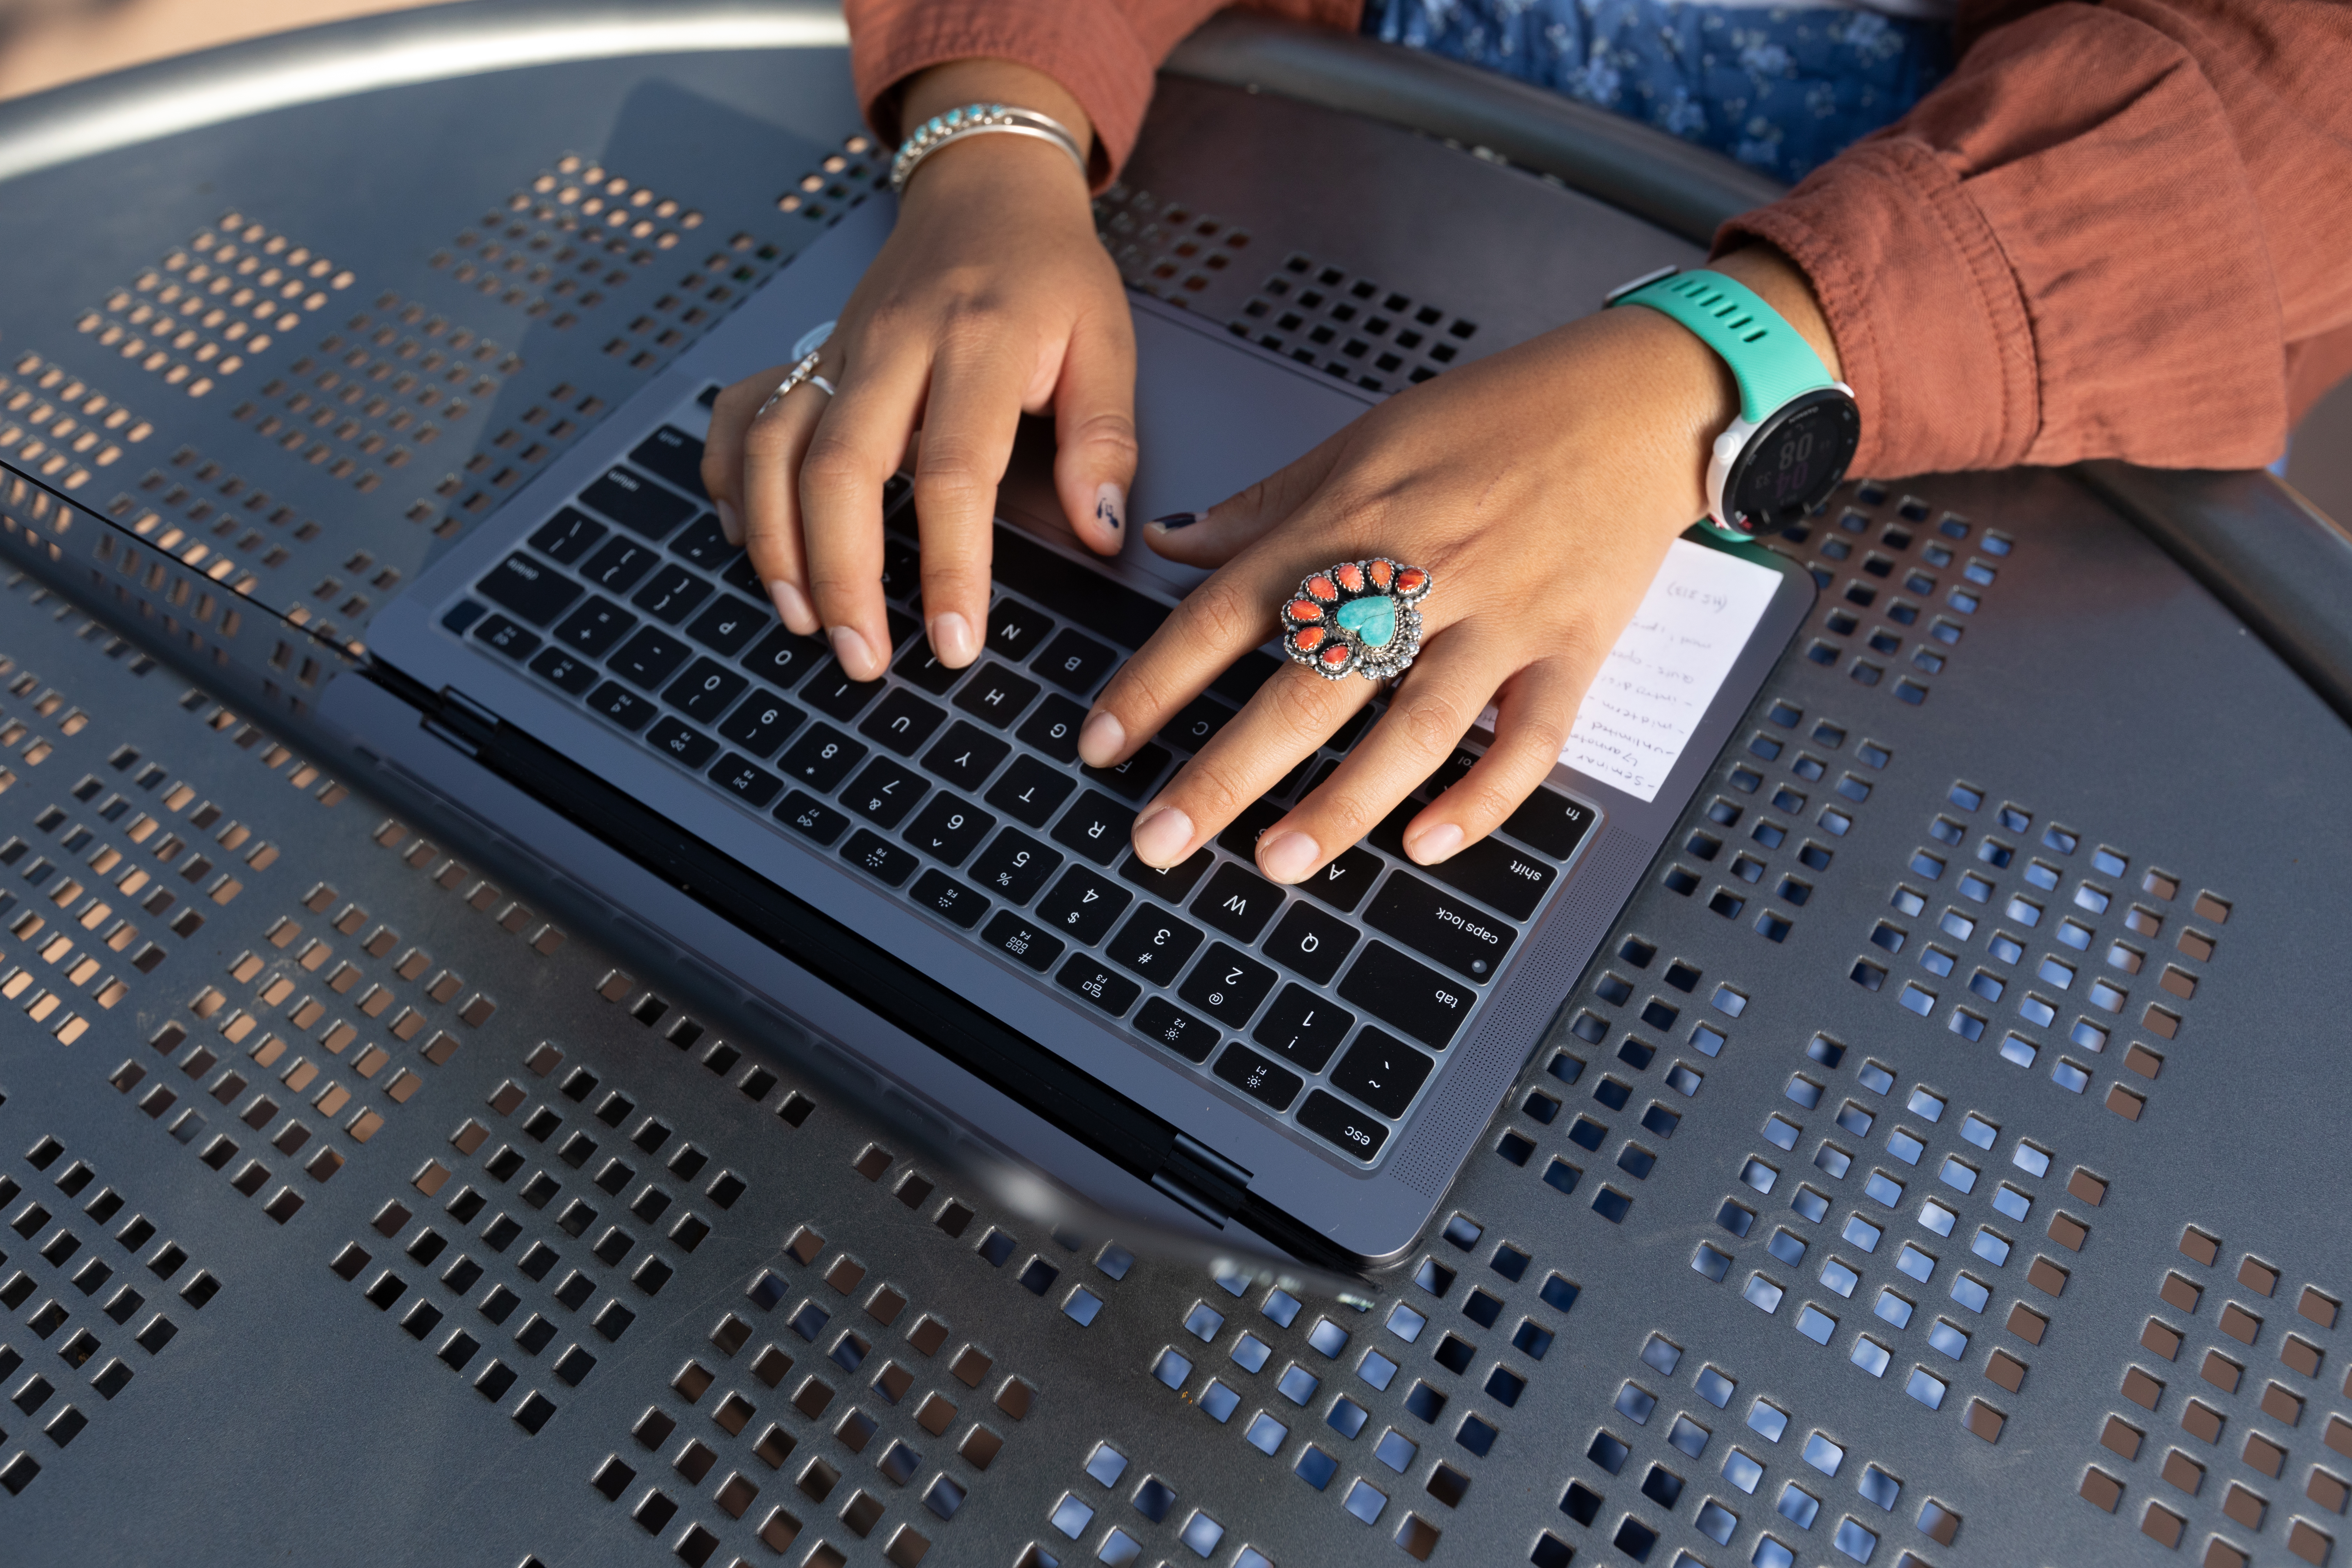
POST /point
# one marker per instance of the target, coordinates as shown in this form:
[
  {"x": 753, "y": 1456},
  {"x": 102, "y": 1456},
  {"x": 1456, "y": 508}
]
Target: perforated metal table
[{"x": 1944, "y": 1163}]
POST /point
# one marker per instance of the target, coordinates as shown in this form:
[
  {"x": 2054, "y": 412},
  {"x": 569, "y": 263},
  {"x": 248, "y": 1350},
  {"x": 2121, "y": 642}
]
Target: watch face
[{"x": 1793, "y": 462}]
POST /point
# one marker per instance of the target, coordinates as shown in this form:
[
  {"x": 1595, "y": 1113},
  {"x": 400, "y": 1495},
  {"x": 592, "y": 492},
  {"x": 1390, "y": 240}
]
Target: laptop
[{"x": 918, "y": 872}]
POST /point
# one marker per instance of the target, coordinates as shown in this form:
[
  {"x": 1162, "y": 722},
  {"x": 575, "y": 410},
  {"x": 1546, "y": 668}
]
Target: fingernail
[
  {"x": 1100, "y": 738},
  {"x": 731, "y": 522},
  {"x": 855, "y": 656},
  {"x": 1432, "y": 845},
  {"x": 951, "y": 639},
  {"x": 1162, "y": 838},
  {"x": 1287, "y": 857},
  {"x": 792, "y": 605},
  {"x": 1175, "y": 521},
  {"x": 1110, "y": 506}
]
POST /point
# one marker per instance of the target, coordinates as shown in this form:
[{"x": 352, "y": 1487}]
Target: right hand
[{"x": 992, "y": 297}]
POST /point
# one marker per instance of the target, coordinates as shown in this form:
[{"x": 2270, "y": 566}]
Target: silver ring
[
  {"x": 801, "y": 372},
  {"x": 823, "y": 386}
]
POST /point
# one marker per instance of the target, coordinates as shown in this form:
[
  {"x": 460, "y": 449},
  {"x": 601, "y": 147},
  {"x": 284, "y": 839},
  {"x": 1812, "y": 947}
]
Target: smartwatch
[{"x": 1797, "y": 428}]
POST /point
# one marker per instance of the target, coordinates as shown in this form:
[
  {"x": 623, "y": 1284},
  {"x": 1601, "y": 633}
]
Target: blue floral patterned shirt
[{"x": 1780, "y": 88}]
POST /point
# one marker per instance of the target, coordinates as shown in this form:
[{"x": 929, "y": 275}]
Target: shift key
[
  {"x": 1437, "y": 925},
  {"x": 1494, "y": 872}
]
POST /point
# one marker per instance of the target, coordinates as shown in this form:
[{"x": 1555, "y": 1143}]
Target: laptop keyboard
[{"x": 1328, "y": 1006}]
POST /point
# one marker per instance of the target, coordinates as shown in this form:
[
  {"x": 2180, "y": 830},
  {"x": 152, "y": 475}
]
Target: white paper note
[{"x": 1666, "y": 667}]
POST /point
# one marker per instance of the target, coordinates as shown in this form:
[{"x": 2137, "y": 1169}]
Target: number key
[
  {"x": 1082, "y": 905},
  {"x": 1154, "y": 944},
  {"x": 885, "y": 792},
  {"x": 703, "y": 692},
  {"x": 948, "y": 829},
  {"x": 822, "y": 757},
  {"x": 1227, "y": 985},
  {"x": 760, "y": 725},
  {"x": 1015, "y": 865}
]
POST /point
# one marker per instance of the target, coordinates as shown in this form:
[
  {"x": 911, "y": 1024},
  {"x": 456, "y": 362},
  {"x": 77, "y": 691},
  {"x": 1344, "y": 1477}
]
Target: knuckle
[
  {"x": 1106, "y": 432},
  {"x": 1219, "y": 614},
  {"x": 830, "y": 467},
  {"x": 1431, "y": 719}
]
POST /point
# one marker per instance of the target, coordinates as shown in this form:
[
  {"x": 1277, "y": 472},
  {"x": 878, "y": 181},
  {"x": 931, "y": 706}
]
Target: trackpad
[{"x": 1212, "y": 418}]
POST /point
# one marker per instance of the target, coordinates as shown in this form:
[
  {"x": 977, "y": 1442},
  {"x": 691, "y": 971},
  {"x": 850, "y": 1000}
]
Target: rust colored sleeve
[
  {"x": 2118, "y": 230},
  {"x": 1104, "y": 51}
]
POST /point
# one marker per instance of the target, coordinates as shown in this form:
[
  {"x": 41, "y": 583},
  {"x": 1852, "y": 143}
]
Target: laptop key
[
  {"x": 1382, "y": 1071},
  {"x": 902, "y": 572},
  {"x": 760, "y": 725},
  {"x": 706, "y": 688},
  {"x": 506, "y": 636},
  {"x": 1238, "y": 902},
  {"x": 1169, "y": 1025},
  {"x": 903, "y": 722},
  {"x": 996, "y": 695},
  {"x": 746, "y": 778},
  {"x": 567, "y": 536},
  {"x": 1105, "y": 987},
  {"x": 704, "y": 542},
  {"x": 806, "y": 815},
  {"x": 822, "y": 757},
  {"x": 574, "y": 676},
  {"x": 1241, "y": 835},
  {"x": 919, "y": 666},
  {"x": 1303, "y": 1028},
  {"x": 1171, "y": 882},
  {"x": 1014, "y": 629},
  {"x": 621, "y": 706},
  {"x": 1227, "y": 985},
  {"x": 1082, "y": 905},
  {"x": 1492, "y": 871},
  {"x": 1097, "y": 827},
  {"x": 871, "y": 853},
  {"x": 1074, "y": 663},
  {"x": 671, "y": 593},
  {"x": 1332, "y": 1119},
  {"x": 948, "y": 899},
  {"x": 1550, "y": 822},
  {"x": 1311, "y": 943},
  {"x": 637, "y": 504},
  {"x": 1272, "y": 1086},
  {"x": 727, "y": 623},
  {"x": 886, "y": 791},
  {"x": 1195, "y": 723},
  {"x": 595, "y": 626},
  {"x": 618, "y": 563},
  {"x": 965, "y": 755},
  {"x": 1024, "y": 939},
  {"x": 1461, "y": 937},
  {"x": 674, "y": 456},
  {"x": 1406, "y": 993},
  {"x": 1154, "y": 944},
  {"x": 948, "y": 829},
  {"x": 672, "y": 738},
  {"x": 831, "y": 691},
  {"x": 742, "y": 574},
  {"x": 784, "y": 657},
  {"x": 535, "y": 591},
  {"x": 1242, "y": 677},
  {"x": 1054, "y": 729},
  {"x": 648, "y": 659},
  {"x": 1014, "y": 866},
  {"x": 1030, "y": 791},
  {"x": 1344, "y": 882},
  {"x": 1133, "y": 778}
]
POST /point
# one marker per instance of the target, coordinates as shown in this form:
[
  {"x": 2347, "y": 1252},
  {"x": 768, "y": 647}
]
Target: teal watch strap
[{"x": 1768, "y": 358}]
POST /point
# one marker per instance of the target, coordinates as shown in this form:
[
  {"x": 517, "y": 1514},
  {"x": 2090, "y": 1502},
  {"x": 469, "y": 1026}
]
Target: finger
[
  {"x": 723, "y": 449},
  {"x": 1094, "y": 414},
  {"x": 1218, "y": 622},
  {"x": 1291, "y": 715},
  {"x": 772, "y": 443},
  {"x": 1534, "y": 712},
  {"x": 859, "y": 436},
  {"x": 969, "y": 420},
  {"x": 1226, "y": 530},
  {"x": 1442, "y": 697}
]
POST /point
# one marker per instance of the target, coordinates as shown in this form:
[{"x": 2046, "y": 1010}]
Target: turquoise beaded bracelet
[{"x": 975, "y": 120}]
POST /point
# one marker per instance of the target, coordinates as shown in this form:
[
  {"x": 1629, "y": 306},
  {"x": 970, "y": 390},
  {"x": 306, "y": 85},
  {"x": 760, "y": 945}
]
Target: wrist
[{"x": 937, "y": 88}]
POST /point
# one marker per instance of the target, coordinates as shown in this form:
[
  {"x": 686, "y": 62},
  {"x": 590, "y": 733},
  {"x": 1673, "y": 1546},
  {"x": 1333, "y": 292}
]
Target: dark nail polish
[{"x": 1175, "y": 519}]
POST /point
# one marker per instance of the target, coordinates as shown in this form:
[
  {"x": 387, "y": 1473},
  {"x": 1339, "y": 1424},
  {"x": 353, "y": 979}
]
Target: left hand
[{"x": 1539, "y": 487}]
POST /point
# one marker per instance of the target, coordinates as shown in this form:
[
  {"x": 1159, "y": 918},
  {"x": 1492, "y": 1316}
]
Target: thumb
[
  {"x": 1214, "y": 537},
  {"x": 1094, "y": 422}
]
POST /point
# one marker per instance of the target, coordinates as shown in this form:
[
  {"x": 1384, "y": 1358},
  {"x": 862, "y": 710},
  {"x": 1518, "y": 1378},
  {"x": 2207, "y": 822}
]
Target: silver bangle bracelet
[{"x": 975, "y": 120}]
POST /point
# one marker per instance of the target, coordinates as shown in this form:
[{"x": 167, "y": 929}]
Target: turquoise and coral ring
[{"x": 1356, "y": 618}]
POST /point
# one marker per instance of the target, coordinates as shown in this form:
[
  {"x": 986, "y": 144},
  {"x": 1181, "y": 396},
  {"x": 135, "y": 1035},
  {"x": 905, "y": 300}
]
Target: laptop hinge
[{"x": 1203, "y": 1180}]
